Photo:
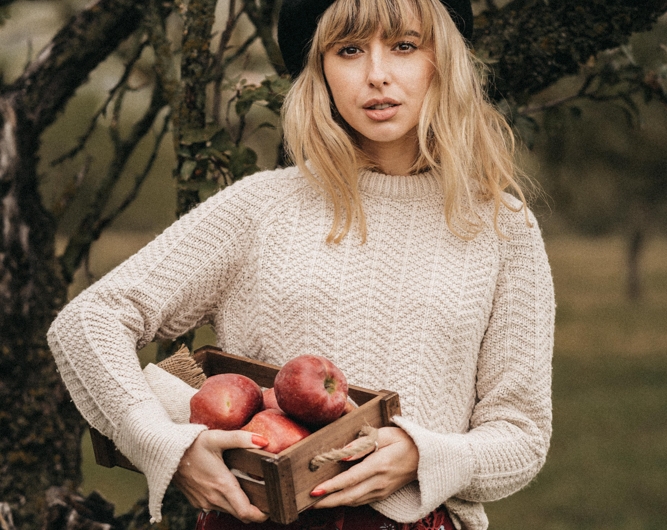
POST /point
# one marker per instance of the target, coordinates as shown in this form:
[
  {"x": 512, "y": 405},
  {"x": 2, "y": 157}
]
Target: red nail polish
[
  {"x": 259, "y": 440},
  {"x": 317, "y": 493}
]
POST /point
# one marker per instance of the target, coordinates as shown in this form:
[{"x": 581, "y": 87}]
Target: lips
[
  {"x": 381, "y": 109},
  {"x": 381, "y": 106}
]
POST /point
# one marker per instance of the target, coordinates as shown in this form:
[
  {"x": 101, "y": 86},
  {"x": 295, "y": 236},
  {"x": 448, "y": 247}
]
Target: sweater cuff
[
  {"x": 155, "y": 445},
  {"x": 446, "y": 465}
]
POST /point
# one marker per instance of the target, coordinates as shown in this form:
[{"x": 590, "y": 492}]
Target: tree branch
[
  {"x": 138, "y": 179},
  {"x": 531, "y": 44},
  {"x": 218, "y": 70},
  {"x": 103, "y": 108},
  {"x": 64, "y": 64},
  {"x": 61, "y": 205},
  {"x": 262, "y": 18},
  {"x": 90, "y": 228}
]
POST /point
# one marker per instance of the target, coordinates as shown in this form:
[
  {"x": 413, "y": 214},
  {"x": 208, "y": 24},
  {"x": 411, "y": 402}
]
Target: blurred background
[{"x": 598, "y": 155}]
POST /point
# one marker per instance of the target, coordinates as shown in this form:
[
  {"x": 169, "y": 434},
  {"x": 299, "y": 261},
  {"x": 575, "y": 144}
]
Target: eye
[
  {"x": 405, "y": 46},
  {"x": 348, "y": 51}
]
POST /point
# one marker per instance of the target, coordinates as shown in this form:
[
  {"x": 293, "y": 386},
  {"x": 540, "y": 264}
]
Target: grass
[
  {"x": 594, "y": 317},
  {"x": 607, "y": 465}
]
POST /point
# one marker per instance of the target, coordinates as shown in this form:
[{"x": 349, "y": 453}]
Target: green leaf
[
  {"x": 214, "y": 154},
  {"x": 207, "y": 188},
  {"x": 184, "y": 152},
  {"x": 187, "y": 169},
  {"x": 242, "y": 106},
  {"x": 243, "y": 161},
  {"x": 232, "y": 82},
  {"x": 190, "y": 185},
  {"x": 197, "y": 136},
  {"x": 222, "y": 140}
]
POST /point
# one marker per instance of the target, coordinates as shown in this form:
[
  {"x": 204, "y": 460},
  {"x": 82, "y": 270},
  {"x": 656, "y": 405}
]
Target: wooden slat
[
  {"x": 247, "y": 460},
  {"x": 279, "y": 478},
  {"x": 361, "y": 395},
  {"x": 390, "y": 406},
  {"x": 215, "y": 361}
]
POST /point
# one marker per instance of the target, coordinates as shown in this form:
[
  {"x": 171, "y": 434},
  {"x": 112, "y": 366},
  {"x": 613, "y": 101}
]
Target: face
[{"x": 378, "y": 88}]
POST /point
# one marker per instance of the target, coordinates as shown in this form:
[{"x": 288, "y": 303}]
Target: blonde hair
[{"x": 462, "y": 138}]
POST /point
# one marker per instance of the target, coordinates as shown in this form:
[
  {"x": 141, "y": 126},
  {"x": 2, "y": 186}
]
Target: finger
[
  {"x": 242, "y": 511},
  {"x": 365, "y": 445},
  {"x": 225, "y": 494},
  {"x": 246, "y": 512},
  {"x": 346, "y": 479},
  {"x": 236, "y": 503},
  {"x": 206, "y": 480},
  {"x": 355, "y": 495},
  {"x": 223, "y": 440},
  {"x": 229, "y": 496},
  {"x": 360, "y": 471},
  {"x": 362, "y": 448}
]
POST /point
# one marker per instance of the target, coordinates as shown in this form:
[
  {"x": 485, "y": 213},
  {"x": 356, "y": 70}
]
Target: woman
[{"x": 391, "y": 248}]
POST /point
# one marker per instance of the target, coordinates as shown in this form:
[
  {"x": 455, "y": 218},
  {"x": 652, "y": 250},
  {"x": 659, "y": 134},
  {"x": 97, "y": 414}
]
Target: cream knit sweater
[{"x": 462, "y": 330}]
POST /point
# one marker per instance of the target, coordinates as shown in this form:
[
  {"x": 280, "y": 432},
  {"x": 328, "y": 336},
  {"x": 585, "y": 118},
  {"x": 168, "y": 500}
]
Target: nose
[{"x": 378, "y": 69}]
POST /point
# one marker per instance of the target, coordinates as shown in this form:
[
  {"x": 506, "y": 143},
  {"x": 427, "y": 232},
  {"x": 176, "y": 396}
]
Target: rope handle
[{"x": 366, "y": 439}]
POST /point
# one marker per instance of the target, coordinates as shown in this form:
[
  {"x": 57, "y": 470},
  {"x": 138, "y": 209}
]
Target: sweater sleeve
[
  {"x": 510, "y": 425},
  {"x": 167, "y": 288}
]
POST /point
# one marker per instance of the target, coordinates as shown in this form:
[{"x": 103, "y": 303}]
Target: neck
[{"x": 392, "y": 158}]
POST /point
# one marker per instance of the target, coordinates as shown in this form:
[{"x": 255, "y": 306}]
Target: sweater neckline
[{"x": 398, "y": 186}]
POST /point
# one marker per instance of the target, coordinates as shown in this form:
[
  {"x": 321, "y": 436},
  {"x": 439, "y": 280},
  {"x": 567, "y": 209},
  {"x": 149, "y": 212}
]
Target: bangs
[{"x": 359, "y": 20}]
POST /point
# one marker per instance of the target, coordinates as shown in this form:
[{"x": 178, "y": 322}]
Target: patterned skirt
[{"x": 341, "y": 518}]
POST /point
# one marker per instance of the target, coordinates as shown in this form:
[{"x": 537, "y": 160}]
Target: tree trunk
[
  {"x": 41, "y": 441},
  {"x": 636, "y": 246},
  {"x": 41, "y": 429},
  {"x": 191, "y": 115}
]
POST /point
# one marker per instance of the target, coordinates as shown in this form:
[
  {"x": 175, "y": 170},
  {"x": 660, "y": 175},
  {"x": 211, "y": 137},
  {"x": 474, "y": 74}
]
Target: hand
[
  {"x": 379, "y": 475},
  {"x": 206, "y": 481}
]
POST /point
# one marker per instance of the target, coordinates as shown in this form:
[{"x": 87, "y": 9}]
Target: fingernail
[
  {"x": 317, "y": 493},
  {"x": 345, "y": 459},
  {"x": 259, "y": 440}
]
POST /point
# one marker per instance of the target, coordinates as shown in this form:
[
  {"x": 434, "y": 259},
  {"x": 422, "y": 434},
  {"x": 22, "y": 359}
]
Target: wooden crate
[{"x": 279, "y": 485}]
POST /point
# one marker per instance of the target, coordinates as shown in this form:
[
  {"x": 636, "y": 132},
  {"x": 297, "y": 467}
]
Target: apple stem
[{"x": 330, "y": 385}]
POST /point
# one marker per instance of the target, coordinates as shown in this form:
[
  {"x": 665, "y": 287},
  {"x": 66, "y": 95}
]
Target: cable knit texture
[{"x": 462, "y": 330}]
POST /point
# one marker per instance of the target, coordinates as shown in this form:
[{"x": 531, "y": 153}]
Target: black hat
[{"x": 298, "y": 21}]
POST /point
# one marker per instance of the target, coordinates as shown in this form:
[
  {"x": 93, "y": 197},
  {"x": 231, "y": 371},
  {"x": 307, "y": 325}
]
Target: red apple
[
  {"x": 277, "y": 428},
  {"x": 270, "y": 402},
  {"x": 311, "y": 389},
  {"x": 226, "y": 401}
]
